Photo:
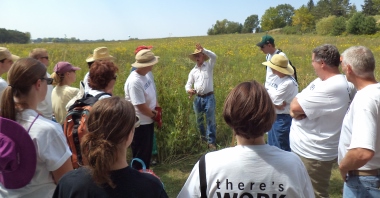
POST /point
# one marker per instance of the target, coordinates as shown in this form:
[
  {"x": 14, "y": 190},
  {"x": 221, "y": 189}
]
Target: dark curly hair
[{"x": 101, "y": 73}]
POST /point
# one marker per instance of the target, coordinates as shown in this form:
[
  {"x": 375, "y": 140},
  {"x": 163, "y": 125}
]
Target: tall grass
[{"x": 239, "y": 59}]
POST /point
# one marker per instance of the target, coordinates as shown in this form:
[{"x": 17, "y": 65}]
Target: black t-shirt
[{"x": 129, "y": 183}]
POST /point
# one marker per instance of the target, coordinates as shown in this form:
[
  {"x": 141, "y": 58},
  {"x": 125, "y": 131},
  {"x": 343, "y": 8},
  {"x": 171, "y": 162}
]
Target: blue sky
[{"x": 121, "y": 19}]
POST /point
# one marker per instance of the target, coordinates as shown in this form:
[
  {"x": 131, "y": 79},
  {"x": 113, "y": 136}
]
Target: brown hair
[
  {"x": 110, "y": 122},
  {"x": 57, "y": 78},
  {"x": 101, "y": 73},
  {"x": 248, "y": 110},
  {"x": 37, "y": 53},
  {"x": 21, "y": 76}
]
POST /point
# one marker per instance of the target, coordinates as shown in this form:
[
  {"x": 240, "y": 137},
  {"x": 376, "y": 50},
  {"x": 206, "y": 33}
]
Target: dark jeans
[
  {"x": 142, "y": 145},
  {"x": 279, "y": 133},
  {"x": 206, "y": 107}
]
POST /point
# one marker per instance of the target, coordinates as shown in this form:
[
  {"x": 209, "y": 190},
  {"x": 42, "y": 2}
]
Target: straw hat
[
  {"x": 100, "y": 53},
  {"x": 5, "y": 53},
  {"x": 280, "y": 63},
  {"x": 196, "y": 51},
  {"x": 18, "y": 157},
  {"x": 145, "y": 58}
]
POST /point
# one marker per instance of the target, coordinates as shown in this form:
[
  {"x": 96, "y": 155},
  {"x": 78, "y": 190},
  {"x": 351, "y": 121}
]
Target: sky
[{"x": 124, "y": 19}]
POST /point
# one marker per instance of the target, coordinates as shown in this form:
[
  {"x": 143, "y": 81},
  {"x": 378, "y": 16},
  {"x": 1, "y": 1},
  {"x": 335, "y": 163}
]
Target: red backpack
[{"x": 75, "y": 126}]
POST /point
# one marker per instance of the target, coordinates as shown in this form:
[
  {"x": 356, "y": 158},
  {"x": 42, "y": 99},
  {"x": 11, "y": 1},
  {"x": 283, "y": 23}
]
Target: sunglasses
[
  {"x": 47, "y": 57},
  {"x": 137, "y": 123},
  {"x": 49, "y": 81}
]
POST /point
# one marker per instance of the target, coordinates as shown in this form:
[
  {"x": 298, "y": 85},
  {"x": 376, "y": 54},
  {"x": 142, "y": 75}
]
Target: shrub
[
  {"x": 339, "y": 26},
  {"x": 361, "y": 24},
  {"x": 291, "y": 30},
  {"x": 325, "y": 25}
]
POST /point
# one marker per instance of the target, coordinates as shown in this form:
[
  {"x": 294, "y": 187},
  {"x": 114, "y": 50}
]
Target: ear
[
  {"x": 349, "y": 69},
  {"x": 38, "y": 84}
]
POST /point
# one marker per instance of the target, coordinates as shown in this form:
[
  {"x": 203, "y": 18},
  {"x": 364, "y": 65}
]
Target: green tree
[
  {"x": 271, "y": 20},
  {"x": 303, "y": 18},
  {"x": 339, "y": 26},
  {"x": 369, "y": 8},
  {"x": 324, "y": 8},
  {"x": 361, "y": 24},
  {"x": 310, "y": 5},
  {"x": 325, "y": 25},
  {"x": 286, "y": 11},
  {"x": 250, "y": 24},
  {"x": 225, "y": 27}
]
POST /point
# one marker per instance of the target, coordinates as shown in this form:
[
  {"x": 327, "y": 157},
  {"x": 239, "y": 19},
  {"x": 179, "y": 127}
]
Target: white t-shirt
[
  {"x": 325, "y": 103},
  {"x": 202, "y": 77},
  {"x": 251, "y": 170},
  {"x": 139, "y": 90},
  {"x": 3, "y": 85},
  {"x": 361, "y": 125},
  {"x": 270, "y": 77},
  {"x": 52, "y": 152},
  {"x": 283, "y": 89},
  {"x": 45, "y": 107},
  {"x": 96, "y": 92}
]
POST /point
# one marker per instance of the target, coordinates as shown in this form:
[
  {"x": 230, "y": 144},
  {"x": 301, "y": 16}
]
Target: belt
[
  {"x": 364, "y": 172},
  {"x": 204, "y": 95}
]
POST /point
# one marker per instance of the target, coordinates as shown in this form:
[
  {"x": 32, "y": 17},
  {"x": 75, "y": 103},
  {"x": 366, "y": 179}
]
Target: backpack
[
  {"x": 75, "y": 126},
  {"x": 290, "y": 63}
]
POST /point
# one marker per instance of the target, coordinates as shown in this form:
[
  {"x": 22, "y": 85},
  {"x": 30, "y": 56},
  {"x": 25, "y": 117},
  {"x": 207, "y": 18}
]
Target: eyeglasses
[
  {"x": 115, "y": 77},
  {"x": 137, "y": 123},
  {"x": 49, "y": 81},
  {"x": 47, "y": 57}
]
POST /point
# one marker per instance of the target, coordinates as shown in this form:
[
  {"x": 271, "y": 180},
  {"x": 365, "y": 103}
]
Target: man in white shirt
[
  {"x": 201, "y": 76},
  {"x": 6, "y": 61},
  {"x": 45, "y": 107},
  {"x": 318, "y": 112},
  {"x": 359, "y": 144},
  {"x": 269, "y": 48}
]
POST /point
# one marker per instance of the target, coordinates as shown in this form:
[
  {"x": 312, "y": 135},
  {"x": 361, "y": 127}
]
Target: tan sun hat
[
  {"x": 145, "y": 58},
  {"x": 280, "y": 63},
  {"x": 100, "y": 53},
  {"x": 5, "y": 53},
  {"x": 196, "y": 51}
]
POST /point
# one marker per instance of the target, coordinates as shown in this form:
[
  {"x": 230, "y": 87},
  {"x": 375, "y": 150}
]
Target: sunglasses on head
[{"x": 49, "y": 81}]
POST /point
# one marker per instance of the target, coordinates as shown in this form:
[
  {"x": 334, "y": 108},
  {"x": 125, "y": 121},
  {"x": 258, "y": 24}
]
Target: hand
[
  {"x": 281, "y": 107},
  {"x": 191, "y": 92},
  {"x": 199, "y": 47},
  {"x": 158, "y": 117},
  {"x": 343, "y": 173},
  {"x": 300, "y": 117}
]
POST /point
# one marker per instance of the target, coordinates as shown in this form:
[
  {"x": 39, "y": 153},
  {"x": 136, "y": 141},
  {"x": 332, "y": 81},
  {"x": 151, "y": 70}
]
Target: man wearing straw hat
[
  {"x": 100, "y": 54},
  {"x": 140, "y": 91},
  {"x": 318, "y": 112},
  {"x": 201, "y": 76},
  {"x": 282, "y": 91}
]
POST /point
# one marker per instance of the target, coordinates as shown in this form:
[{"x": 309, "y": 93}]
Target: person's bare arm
[
  {"x": 66, "y": 167},
  {"x": 145, "y": 110},
  {"x": 296, "y": 110},
  {"x": 354, "y": 159}
]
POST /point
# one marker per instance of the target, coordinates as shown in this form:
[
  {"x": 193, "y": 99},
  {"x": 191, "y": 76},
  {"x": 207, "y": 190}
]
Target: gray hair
[
  {"x": 328, "y": 53},
  {"x": 361, "y": 60}
]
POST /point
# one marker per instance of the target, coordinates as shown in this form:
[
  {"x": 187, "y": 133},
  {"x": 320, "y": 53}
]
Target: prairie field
[{"x": 239, "y": 59}]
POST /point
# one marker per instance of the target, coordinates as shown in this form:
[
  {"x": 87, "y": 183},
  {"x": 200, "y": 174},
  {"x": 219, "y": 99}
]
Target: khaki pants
[{"x": 319, "y": 173}]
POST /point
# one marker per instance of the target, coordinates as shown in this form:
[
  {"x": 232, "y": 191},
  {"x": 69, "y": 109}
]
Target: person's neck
[
  {"x": 360, "y": 83},
  {"x": 272, "y": 50},
  {"x": 200, "y": 64},
  {"x": 142, "y": 71},
  {"x": 253, "y": 141},
  {"x": 121, "y": 161},
  {"x": 329, "y": 73}
]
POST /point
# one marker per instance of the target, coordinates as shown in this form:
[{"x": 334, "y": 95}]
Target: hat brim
[
  {"x": 260, "y": 44},
  {"x": 146, "y": 64},
  {"x": 14, "y": 57},
  {"x": 287, "y": 71},
  {"x": 192, "y": 57},
  {"x": 92, "y": 59},
  {"x": 75, "y": 68},
  {"x": 27, "y": 155}
]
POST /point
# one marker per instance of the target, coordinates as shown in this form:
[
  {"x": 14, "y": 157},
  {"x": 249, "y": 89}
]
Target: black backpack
[{"x": 75, "y": 127}]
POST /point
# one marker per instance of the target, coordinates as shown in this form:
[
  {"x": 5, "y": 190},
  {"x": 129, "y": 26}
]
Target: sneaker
[{"x": 211, "y": 147}]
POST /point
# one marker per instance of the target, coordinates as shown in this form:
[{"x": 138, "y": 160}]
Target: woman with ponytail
[
  {"x": 111, "y": 125},
  {"x": 27, "y": 88},
  {"x": 63, "y": 76}
]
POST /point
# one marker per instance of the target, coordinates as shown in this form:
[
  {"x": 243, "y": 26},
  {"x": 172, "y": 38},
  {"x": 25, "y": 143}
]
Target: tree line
[
  {"x": 13, "y": 36},
  {"x": 326, "y": 17}
]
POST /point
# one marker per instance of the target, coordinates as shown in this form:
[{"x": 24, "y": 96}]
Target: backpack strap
[
  {"x": 102, "y": 94},
  {"x": 141, "y": 162},
  {"x": 202, "y": 176}
]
